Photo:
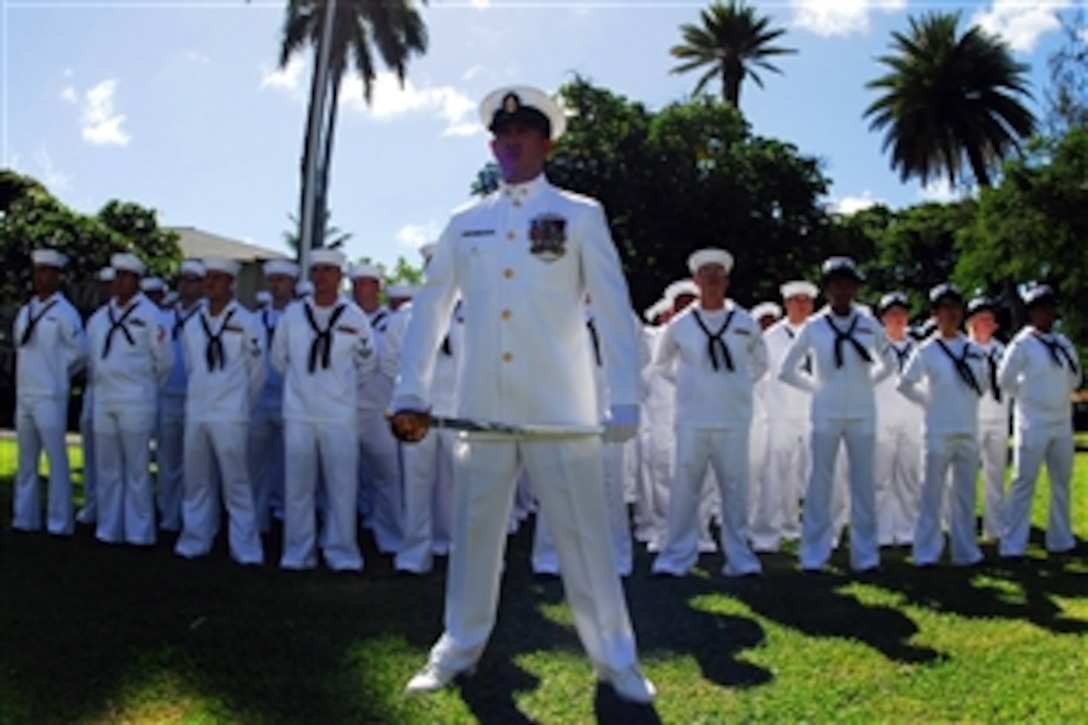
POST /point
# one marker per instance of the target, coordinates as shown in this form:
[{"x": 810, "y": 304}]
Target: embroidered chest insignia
[{"x": 548, "y": 237}]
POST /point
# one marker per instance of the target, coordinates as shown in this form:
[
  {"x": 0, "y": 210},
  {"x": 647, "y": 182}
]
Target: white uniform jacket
[
  {"x": 991, "y": 408},
  {"x": 129, "y": 354},
  {"x": 949, "y": 392},
  {"x": 1041, "y": 371},
  {"x": 839, "y": 392},
  {"x": 312, "y": 391},
  {"x": 50, "y": 347},
  {"x": 714, "y": 382},
  {"x": 785, "y": 402},
  {"x": 224, "y": 355},
  {"x": 176, "y": 320},
  {"x": 522, "y": 260}
]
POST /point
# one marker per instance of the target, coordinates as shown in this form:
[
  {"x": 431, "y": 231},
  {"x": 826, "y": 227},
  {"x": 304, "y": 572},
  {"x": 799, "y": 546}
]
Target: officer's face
[
  {"x": 281, "y": 287},
  {"x": 798, "y": 308},
  {"x": 217, "y": 285},
  {"x": 520, "y": 149},
  {"x": 983, "y": 325},
  {"x": 46, "y": 280},
  {"x": 949, "y": 317},
  {"x": 365, "y": 290},
  {"x": 895, "y": 320},
  {"x": 190, "y": 287},
  {"x": 125, "y": 284},
  {"x": 840, "y": 291},
  {"x": 712, "y": 279},
  {"x": 326, "y": 279},
  {"x": 1042, "y": 316}
]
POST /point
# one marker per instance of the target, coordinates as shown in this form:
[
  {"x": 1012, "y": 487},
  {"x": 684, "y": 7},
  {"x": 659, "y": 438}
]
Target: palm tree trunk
[
  {"x": 321, "y": 215},
  {"x": 304, "y": 161},
  {"x": 732, "y": 72}
]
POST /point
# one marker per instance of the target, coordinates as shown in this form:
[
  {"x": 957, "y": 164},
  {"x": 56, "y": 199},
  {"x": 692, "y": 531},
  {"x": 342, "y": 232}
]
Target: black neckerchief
[
  {"x": 847, "y": 335},
  {"x": 1058, "y": 353},
  {"x": 991, "y": 364},
  {"x": 380, "y": 320},
  {"x": 180, "y": 320},
  {"x": 596, "y": 340},
  {"x": 714, "y": 341},
  {"x": 32, "y": 321},
  {"x": 902, "y": 355},
  {"x": 118, "y": 323},
  {"x": 321, "y": 347},
  {"x": 268, "y": 329},
  {"x": 962, "y": 367},
  {"x": 806, "y": 364},
  {"x": 214, "y": 354}
]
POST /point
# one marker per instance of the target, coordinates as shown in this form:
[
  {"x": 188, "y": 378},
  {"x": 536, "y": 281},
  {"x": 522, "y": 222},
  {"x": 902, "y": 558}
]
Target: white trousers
[
  {"x": 265, "y": 452},
  {"x": 1054, "y": 445},
  {"x": 776, "y": 514},
  {"x": 126, "y": 503},
  {"x": 943, "y": 454},
  {"x": 171, "y": 460},
  {"x": 211, "y": 446},
  {"x": 567, "y": 479},
  {"x": 726, "y": 453},
  {"x": 383, "y": 483},
  {"x": 759, "y": 449},
  {"x": 41, "y": 423},
  {"x": 88, "y": 513},
  {"x": 817, "y": 530},
  {"x": 428, "y": 489},
  {"x": 898, "y": 482},
  {"x": 306, "y": 443},
  {"x": 545, "y": 558},
  {"x": 659, "y": 465},
  {"x": 994, "y": 449}
]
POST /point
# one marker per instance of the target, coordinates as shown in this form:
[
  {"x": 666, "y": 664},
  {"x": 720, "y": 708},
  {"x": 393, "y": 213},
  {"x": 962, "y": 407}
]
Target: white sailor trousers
[
  {"x": 384, "y": 479},
  {"x": 566, "y": 476},
  {"x": 89, "y": 512},
  {"x": 212, "y": 446},
  {"x": 777, "y": 504},
  {"x": 898, "y": 480},
  {"x": 958, "y": 454},
  {"x": 994, "y": 449},
  {"x": 126, "y": 503},
  {"x": 305, "y": 443},
  {"x": 725, "y": 452},
  {"x": 41, "y": 423},
  {"x": 428, "y": 483},
  {"x": 1041, "y": 443},
  {"x": 817, "y": 532},
  {"x": 264, "y": 450},
  {"x": 171, "y": 459}
]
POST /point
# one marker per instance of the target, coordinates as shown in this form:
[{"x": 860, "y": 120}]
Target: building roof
[{"x": 197, "y": 243}]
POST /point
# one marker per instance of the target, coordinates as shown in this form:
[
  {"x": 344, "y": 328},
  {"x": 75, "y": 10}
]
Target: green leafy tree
[
  {"x": 950, "y": 101},
  {"x": 330, "y": 238},
  {"x": 1067, "y": 94},
  {"x": 728, "y": 44}
]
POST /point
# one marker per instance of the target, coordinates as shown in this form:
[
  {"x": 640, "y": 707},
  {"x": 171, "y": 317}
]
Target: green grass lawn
[{"x": 99, "y": 634}]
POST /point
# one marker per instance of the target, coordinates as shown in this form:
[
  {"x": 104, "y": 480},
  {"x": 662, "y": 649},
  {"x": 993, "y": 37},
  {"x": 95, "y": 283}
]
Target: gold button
[
  {"x": 508, "y": 273},
  {"x": 507, "y": 357},
  {"x": 506, "y": 314},
  {"x": 511, "y": 235}
]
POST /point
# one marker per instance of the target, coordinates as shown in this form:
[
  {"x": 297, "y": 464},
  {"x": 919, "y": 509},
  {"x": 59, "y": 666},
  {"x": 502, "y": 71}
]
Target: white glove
[
  {"x": 408, "y": 403},
  {"x": 621, "y": 424}
]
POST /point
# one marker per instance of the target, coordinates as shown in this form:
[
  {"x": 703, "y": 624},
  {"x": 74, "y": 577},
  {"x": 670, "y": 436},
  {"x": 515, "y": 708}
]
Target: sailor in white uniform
[
  {"x": 50, "y": 349},
  {"x": 993, "y": 417},
  {"x": 265, "y": 447},
  {"x": 766, "y": 314},
  {"x": 1041, "y": 370},
  {"x": 129, "y": 358},
  {"x": 898, "y": 477},
  {"x": 717, "y": 352},
  {"x": 522, "y": 260},
  {"x": 944, "y": 377},
  {"x": 323, "y": 347},
  {"x": 88, "y": 513},
  {"x": 171, "y": 426},
  {"x": 845, "y": 344}
]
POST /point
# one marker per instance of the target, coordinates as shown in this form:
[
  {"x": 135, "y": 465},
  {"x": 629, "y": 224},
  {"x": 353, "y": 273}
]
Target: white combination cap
[
  {"x": 222, "y": 264},
  {"x": 710, "y": 256},
  {"x": 281, "y": 266},
  {"x": 48, "y": 258},
  {"x": 523, "y": 103},
  {"x": 799, "y": 288},
  {"x": 125, "y": 262}
]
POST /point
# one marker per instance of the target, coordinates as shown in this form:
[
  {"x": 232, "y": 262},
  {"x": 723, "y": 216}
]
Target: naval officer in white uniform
[{"x": 522, "y": 260}]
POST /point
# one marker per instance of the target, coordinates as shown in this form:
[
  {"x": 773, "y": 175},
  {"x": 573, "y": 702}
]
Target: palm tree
[
  {"x": 331, "y": 237},
  {"x": 950, "y": 101},
  {"x": 731, "y": 42},
  {"x": 391, "y": 27}
]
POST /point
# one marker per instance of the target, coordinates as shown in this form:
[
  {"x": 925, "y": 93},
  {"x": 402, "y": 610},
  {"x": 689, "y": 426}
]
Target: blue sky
[{"x": 178, "y": 105}]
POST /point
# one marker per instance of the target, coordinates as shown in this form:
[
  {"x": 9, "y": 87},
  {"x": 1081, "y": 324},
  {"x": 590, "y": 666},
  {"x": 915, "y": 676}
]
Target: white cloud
[
  {"x": 389, "y": 101},
  {"x": 288, "y": 78},
  {"x": 480, "y": 4},
  {"x": 850, "y": 205},
  {"x": 839, "y": 17},
  {"x": 940, "y": 190},
  {"x": 69, "y": 94},
  {"x": 1020, "y": 23},
  {"x": 49, "y": 174},
  {"x": 416, "y": 235},
  {"x": 197, "y": 57},
  {"x": 101, "y": 125}
]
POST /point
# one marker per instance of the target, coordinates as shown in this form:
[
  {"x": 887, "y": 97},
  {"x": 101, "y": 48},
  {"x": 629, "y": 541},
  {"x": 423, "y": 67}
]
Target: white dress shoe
[
  {"x": 434, "y": 677},
  {"x": 630, "y": 685}
]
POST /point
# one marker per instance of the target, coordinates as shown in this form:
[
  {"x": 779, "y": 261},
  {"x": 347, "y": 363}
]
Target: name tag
[
  {"x": 478, "y": 233},
  {"x": 741, "y": 331},
  {"x": 137, "y": 322},
  {"x": 347, "y": 329},
  {"x": 233, "y": 328}
]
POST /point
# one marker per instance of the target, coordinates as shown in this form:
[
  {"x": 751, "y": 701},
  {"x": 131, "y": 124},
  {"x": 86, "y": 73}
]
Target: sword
[{"x": 526, "y": 430}]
